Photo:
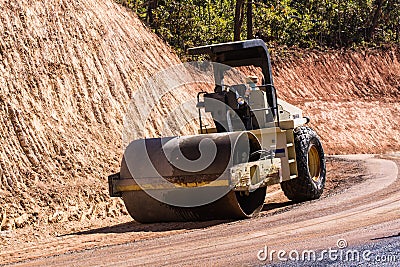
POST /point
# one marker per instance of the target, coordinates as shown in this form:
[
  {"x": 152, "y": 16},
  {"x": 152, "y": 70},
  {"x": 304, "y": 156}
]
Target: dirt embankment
[
  {"x": 352, "y": 98},
  {"x": 68, "y": 69}
]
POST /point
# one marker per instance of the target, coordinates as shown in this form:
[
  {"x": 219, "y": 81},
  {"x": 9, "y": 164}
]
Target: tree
[
  {"x": 151, "y": 5},
  {"x": 375, "y": 19},
  {"x": 238, "y": 20},
  {"x": 249, "y": 18},
  {"x": 300, "y": 23}
]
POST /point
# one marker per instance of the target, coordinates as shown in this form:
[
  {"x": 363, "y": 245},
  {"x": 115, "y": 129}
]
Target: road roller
[{"x": 253, "y": 140}]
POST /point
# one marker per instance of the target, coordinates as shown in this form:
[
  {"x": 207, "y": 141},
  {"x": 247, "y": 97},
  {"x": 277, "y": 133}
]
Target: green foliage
[
  {"x": 315, "y": 23},
  {"x": 302, "y": 23}
]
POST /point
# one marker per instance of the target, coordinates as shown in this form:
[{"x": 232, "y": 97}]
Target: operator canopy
[{"x": 242, "y": 53}]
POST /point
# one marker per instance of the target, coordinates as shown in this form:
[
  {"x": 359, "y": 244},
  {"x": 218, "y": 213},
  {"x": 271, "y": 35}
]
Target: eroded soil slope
[
  {"x": 352, "y": 98},
  {"x": 67, "y": 71}
]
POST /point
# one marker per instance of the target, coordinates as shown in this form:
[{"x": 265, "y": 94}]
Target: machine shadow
[
  {"x": 277, "y": 205},
  {"x": 164, "y": 227},
  {"x": 151, "y": 227}
]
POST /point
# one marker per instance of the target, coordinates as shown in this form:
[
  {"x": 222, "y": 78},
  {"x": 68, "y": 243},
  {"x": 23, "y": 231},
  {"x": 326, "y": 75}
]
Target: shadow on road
[
  {"x": 277, "y": 205},
  {"x": 386, "y": 237},
  {"x": 164, "y": 227},
  {"x": 153, "y": 227}
]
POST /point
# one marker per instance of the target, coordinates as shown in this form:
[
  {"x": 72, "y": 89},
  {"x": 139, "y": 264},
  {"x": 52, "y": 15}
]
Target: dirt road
[{"x": 364, "y": 212}]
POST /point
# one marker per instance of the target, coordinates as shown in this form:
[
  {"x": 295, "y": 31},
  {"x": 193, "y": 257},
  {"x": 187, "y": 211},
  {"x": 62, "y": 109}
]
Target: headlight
[{"x": 240, "y": 101}]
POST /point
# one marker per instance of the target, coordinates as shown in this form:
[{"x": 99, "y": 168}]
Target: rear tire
[{"x": 311, "y": 167}]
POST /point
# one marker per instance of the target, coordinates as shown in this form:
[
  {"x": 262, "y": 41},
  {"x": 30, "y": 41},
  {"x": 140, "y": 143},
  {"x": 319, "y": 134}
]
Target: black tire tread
[{"x": 303, "y": 188}]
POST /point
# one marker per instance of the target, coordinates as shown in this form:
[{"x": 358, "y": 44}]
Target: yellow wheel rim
[{"x": 314, "y": 164}]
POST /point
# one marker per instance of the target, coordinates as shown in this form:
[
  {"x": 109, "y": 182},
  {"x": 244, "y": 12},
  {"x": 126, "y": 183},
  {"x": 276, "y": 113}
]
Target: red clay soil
[
  {"x": 68, "y": 69},
  {"x": 352, "y": 97},
  {"x": 67, "y": 72}
]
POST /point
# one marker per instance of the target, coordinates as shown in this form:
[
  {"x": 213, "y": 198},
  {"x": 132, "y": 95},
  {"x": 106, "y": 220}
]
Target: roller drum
[{"x": 175, "y": 161}]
